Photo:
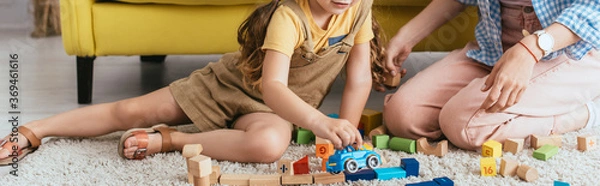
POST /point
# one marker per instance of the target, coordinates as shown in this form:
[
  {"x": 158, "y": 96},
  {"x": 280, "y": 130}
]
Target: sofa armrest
[{"x": 76, "y": 25}]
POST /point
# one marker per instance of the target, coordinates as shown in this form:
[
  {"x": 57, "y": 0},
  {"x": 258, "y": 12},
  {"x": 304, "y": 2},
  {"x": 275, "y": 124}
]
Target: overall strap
[
  {"x": 306, "y": 27},
  {"x": 363, "y": 13}
]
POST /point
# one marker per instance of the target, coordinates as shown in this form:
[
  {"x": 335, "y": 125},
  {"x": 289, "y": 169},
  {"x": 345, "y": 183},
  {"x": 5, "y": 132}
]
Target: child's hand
[{"x": 339, "y": 131}]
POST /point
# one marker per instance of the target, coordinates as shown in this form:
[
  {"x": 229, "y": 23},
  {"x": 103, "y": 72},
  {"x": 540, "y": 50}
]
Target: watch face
[{"x": 546, "y": 42}]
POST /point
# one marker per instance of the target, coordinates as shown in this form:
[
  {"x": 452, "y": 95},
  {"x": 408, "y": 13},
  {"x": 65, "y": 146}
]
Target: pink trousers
[{"x": 444, "y": 99}]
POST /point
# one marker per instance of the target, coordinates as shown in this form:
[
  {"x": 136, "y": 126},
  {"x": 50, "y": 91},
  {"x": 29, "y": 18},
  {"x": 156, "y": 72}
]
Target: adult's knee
[
  {"x": 454, "y": 127},
  {"x": 406, "y": 118}
]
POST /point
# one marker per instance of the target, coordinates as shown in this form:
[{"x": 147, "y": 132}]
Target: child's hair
[{"x": 251, "y": 36}]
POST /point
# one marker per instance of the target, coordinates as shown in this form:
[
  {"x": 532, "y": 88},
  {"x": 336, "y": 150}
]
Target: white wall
[{"x": 16, "y": 14}]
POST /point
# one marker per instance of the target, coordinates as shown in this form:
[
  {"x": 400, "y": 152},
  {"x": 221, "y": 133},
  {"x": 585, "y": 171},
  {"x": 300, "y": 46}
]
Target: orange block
[{"x": 324, "y": 150}]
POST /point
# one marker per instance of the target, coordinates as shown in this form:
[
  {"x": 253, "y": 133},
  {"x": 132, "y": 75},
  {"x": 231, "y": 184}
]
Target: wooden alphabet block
[
  {"x": 200, "y": 166},
  {"x": 191, "y": 150},
  {"x": 539, "y": 141},
  {"x": 328, "y": 178},
  {"x": 371, "y": 119},
  {"x": 265, "y": 180},
  {"x": 297, "y": 179},
  {"x": 508, "y": 167},
  {"x": 513, "y": 145},
  {"x": 285, "y": 167},
  {"x": 527, "y": 173},
  {"x": 488, "y": 166},
  {"x": 440, "y": 150},
  {"x": 324, "y": 148},
  {"x": 586, "y": 142},
  {"x": 491, "y": 148},
  {"x": 235, "y": 179}
]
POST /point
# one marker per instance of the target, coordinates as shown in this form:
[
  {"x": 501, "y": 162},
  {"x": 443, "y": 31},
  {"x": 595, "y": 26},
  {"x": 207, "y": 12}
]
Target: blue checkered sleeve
[{"x": 582, "y": 18}]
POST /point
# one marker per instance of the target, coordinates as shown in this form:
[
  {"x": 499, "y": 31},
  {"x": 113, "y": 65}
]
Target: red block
[{"x": 301, "y": 166}]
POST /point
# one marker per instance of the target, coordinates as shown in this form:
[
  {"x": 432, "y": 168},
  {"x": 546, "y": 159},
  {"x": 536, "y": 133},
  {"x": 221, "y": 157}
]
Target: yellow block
[
  {"x": 371, "y": 119},
  {"x": 491, "y": 148},
  {"x": 488, "y": 166}
]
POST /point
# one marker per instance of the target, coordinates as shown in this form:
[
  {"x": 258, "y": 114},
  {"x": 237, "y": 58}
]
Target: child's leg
[
  {"x": 95, "y": 120},
  {"x": 257, "y": 137}
]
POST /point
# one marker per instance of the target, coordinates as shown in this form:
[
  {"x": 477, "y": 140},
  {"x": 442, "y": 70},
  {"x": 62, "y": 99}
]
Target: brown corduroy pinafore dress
[{"x": 214, "y": 97}]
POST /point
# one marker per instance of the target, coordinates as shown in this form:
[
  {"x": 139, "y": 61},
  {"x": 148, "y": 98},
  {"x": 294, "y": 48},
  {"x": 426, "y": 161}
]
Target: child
[
  {"x": 505, "y": 85},
  {"x": 245, "y": 104}
]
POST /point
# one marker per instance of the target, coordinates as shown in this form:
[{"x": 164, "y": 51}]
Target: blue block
[
  {"x": 411, "y": 165},
  {"x": 425, "y": 183},
  {"x": 333, "y": 115},
  {"x": 363, "y": 174},
  {"x": 362, "y": 133},
  {"x": 444, "y": 181},
  {"x": 390, "y": 173},
  {"x": 560, "y": 183}
]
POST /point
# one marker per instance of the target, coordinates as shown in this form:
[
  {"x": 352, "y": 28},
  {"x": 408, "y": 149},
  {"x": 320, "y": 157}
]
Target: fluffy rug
[{"x": 94, "y": 161}]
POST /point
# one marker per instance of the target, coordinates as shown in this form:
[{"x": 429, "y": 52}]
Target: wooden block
[
  {"x": 545, "y": 152},
  {"x": 301, "y": 166},
  {"x": 527, "y": 173},
  {"x": 362, "y": 174},
  {"x": 285, "y": 167},
  {"x": 382, "y": 129},
  {"x": 324, "y": 164},
  {"x": 324, "y": 150},
  {"x": 202, "y": 181},
  {"x": 297, "y": 179},
  {"x": 488, "y": 166},
  {"x": 539, "y": 141},
  {"x": 586, "y": 142},
  {"x": 381, "y": 141},
  {"x": 444, "y": 181},
  {"x": 389, "y": 173},
  {"x": 321, "y": 140},
  {"x": 191, "y": 150},
  {"x": 391, "y": 81},
  {"x": 440, "y": 150},
  {"x": 200, "y": 166},
  {"x": 410, "y": 165},
  {"x": 508, "y": 167},
  {"x": 491, "y": 148},
  {"x": 304, "y": 136},
  {"x": 265, "y": 180},
  {"x": 216, "y": 173},
  {"x": 371, "y": 119},
  {"x": 328, "y": 178},
  {"x": 235, "y": 179},
  {"x": 190, "y": 178},
  {"x": 403, "y": 144},
  {"x": 513, "y": 145}
]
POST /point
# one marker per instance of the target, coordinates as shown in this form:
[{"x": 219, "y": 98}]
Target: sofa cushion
[{"x": 239, "y": 2}]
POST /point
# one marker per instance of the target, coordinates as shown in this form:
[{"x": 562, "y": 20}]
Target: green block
[
  {"x": 304, "y": 136},
  {"x": 381, "y": 141},
  {"x": 545, "y": 152},
  {"x": 403, "y": 144}
]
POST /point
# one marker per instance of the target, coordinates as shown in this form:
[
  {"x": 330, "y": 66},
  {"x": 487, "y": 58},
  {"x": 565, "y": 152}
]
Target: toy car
[{"x": 350, "y": 160}]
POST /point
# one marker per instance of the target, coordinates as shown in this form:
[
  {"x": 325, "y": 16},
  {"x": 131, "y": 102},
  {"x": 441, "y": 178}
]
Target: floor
[{"x": 47, "y": 83}]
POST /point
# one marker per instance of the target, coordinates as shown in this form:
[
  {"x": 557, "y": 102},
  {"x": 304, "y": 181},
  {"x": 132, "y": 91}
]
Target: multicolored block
[{"x": 491, "y": 148}]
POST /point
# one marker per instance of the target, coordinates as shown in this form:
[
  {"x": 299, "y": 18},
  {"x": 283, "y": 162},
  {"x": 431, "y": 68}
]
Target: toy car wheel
[
  {"x": 373, "y": 162},
  {"x": 351, "y": 166}
]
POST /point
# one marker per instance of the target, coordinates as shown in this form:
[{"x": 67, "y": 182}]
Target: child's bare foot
[{"x": 151, "y": 145}]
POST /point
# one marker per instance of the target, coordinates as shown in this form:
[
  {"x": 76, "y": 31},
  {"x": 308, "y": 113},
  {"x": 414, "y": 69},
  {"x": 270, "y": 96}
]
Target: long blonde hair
[{"x": 252, "y": 33}]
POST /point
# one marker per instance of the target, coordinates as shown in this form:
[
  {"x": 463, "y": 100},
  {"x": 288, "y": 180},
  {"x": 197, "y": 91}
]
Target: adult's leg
[
  {"x": 256, "y": 137},
  {"x": 413, "y": 111},
  {"x": 553, "y": 103},
  {"x": 95, "y": 120}
]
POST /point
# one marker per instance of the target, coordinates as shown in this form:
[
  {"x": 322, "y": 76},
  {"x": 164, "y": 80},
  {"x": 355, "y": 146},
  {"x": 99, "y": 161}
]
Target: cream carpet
[{"x": 94, "y": 161}]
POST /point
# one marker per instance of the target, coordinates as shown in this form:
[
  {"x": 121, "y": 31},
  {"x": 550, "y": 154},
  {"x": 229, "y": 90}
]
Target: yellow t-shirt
[{"x": 284, "y": 33}]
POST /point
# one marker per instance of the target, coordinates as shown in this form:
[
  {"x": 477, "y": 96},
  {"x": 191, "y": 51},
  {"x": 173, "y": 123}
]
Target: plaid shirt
[{"x": 582, "y": 17}]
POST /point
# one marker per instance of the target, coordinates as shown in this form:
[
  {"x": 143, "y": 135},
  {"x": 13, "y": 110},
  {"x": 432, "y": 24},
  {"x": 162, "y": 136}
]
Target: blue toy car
[{"x": 350, "y": 160}]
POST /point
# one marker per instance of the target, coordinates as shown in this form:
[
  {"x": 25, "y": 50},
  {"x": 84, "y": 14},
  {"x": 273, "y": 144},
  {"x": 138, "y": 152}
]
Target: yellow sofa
[{"x": 156, "y": 28}]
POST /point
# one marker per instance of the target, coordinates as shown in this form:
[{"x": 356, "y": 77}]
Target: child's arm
[
  {"x": 358, "y": 83},
  {"x": 290, "y": 107},
  {"x": 436, "y": 14}
]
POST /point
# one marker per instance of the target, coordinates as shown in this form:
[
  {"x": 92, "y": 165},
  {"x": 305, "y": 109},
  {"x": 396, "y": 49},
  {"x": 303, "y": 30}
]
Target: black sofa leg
[
  {"x": 154, "y": 58},
  {"x": 85, "y": 76}
]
